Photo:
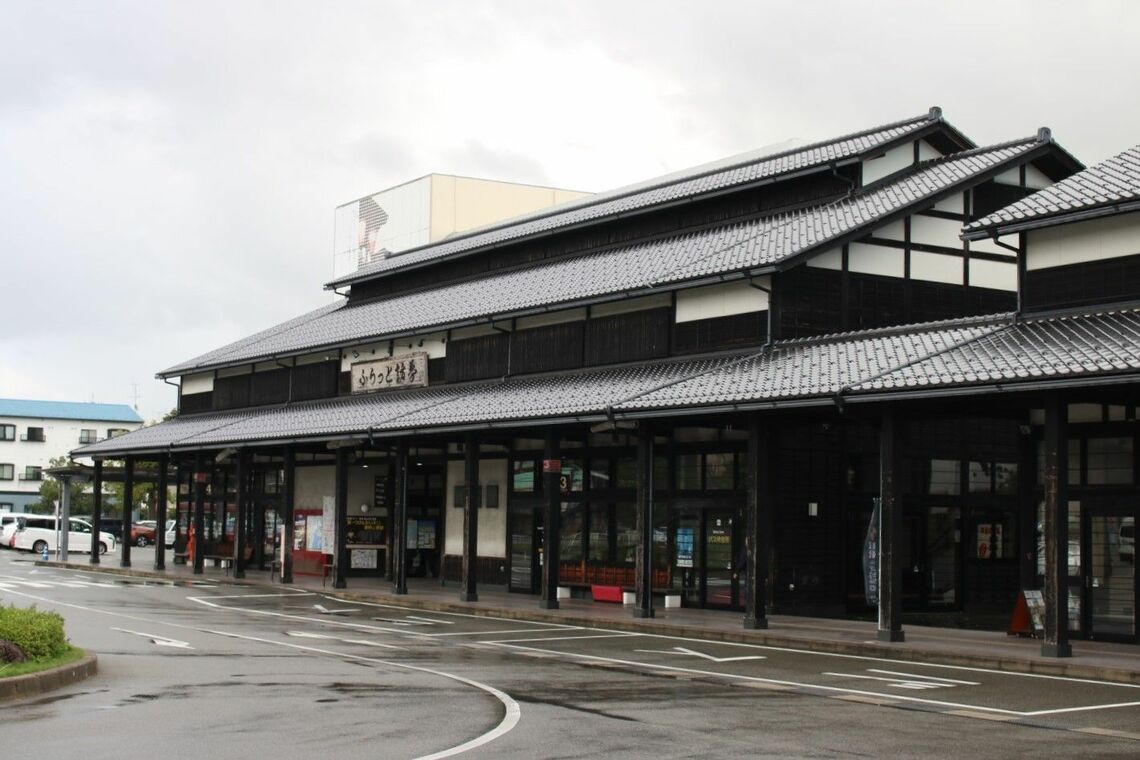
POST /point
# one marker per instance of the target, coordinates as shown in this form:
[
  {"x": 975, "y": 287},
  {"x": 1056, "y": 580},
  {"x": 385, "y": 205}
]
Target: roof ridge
[
  {"x": 1042, "y": 136},
  {"x": 904, "y": 329}
]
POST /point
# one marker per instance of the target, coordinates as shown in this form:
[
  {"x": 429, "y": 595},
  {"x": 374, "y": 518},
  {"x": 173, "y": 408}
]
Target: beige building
[{"x": 427, "y": 210}]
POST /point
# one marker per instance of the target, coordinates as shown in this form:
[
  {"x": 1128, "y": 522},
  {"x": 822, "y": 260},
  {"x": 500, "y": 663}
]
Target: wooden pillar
[
  {"x": 128, "y": 502},
  {"x": 399, "y": 539},
  {"x": 340, "y": 562},
  {"x": 552, "y": 520},
  {"x": 257, "y": 523},
  {"x": 1056, "y": 592},
  {"x": 287, "y": 535},
  {"x": 201, "y": 478},
  {"x": 468, "y": 592},
  {"x": 64, "y": 516},
  {"x": 890, "y": 572},
  {"x": 643, "y": 607},
  {"x": 96, "y": 510},
  {"x": 241, "y": 533},
  {"x": 160, "y": 516},
  {"x": 759, "y": 521}
]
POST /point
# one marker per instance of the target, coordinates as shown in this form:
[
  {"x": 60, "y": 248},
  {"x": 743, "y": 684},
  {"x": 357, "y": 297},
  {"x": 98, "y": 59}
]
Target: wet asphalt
[{"x": 197, "y": 669}]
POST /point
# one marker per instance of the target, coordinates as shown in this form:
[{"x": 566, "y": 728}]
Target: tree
[{"x": 49, "y": 493}]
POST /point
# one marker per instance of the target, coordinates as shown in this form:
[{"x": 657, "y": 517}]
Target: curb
[
  {"x": 1059, "y": 668},
  {"x": 31, "y": 684}
]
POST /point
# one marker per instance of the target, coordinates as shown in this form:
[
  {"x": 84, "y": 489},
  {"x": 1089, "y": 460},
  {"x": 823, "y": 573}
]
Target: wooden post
[
  {"x": 1056, "y": 478},
  {"x": 643, "y": 607},
  {"x": 552, "y": 519},
  {"x": 240, "y": 532},
  {"x": 468, "y": 591},
  {"x": 201, "y": 478},
  {"x": 128, "y": 502},
  {"x": 759, "y": 513},
  {"x": 160, "y": 516},
  {"x": 400, "y": 521},
  {"x": 287, "y": 537},
  {"x": 340, "y": 549},
  {"x": 890, "y": 572},
  {"x": 96, "y": 510}
]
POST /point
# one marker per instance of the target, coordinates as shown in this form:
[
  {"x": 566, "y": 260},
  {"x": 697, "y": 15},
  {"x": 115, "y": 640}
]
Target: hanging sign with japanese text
[{"x": 403, "y": 371}]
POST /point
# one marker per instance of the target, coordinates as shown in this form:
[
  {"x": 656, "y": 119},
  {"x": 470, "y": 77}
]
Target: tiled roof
[
  {"x": 68, "y": 410},
  {"x": 737, "y": 170},
  {"x": 936, "y": 357},
  {"x": 1035, "y": 349},
  {"x": 636, "y": 268},
  {"x": 1110, "y": 182}
]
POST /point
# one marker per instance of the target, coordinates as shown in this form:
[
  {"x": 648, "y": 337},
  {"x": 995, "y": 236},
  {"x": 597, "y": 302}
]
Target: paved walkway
[{"x": 985, "y": 649}]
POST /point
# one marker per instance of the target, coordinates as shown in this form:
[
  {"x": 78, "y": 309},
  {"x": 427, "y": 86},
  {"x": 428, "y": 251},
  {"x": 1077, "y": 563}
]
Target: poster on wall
[
  {"x": 363, "y": 559},
  {"x": 328, "y": 524},
  {"x": 425, "y": 535},
  {"x": 411, "y": 533},
  {"x": 684, "y": 547},
  {"x": 989, "y": 540}
]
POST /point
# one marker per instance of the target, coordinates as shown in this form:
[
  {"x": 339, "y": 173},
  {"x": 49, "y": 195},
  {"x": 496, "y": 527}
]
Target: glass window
[
  {"x": 1074, "y": 538},
  {"x": 1074, "y": 462},
  {"x": 627, "y": 472},
  {"x": 79, "y": 527},
  {"x": 88, "y": 436},
  {"x": 33, "y": 473},
  {"x": 981, "y": 477},
  {"x": 945, "y": 477},
  {"x": 573, "y": 475},
  {"x": 625, "y": 523},
  {"x": 35, "y": 434},
  {"x": 7, "y": 471},
  {"x": 688, "y": 472},
  {"x": 720, "y": 471},
  {"x": 600, "y": 473},
  {"x": 661, "y": 473},
  {"x": 115, "y": 432},
  {"x": 1005, "y": 478},
  {"x": 1109, "y": 461},
  {"x": 599, "y": 532},
  {"x": 570, "y": 547},
  {"x": 522, "y": 475},
  {"x": 7, "y": 432}
]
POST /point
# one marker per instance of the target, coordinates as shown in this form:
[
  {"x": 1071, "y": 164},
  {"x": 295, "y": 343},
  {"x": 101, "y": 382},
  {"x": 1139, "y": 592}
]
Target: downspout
[
  {"x": 289, "y": 395},
  {"x": 179, "y": 387},
  {"x": 850, "y": 182}
]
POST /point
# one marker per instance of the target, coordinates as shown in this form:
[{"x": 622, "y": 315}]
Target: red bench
[{"x": 606, "y": 593}]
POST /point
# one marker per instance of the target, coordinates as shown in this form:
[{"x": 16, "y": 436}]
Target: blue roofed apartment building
[
  {"x": 706, "y": 386},
  {"x": 32, "y": 433}
]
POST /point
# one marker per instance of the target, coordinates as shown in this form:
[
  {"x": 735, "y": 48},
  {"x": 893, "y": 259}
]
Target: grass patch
[{"x": 9, "y": 669}]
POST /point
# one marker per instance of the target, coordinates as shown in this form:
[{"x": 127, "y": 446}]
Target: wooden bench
[{"x": 224, "y": 561}]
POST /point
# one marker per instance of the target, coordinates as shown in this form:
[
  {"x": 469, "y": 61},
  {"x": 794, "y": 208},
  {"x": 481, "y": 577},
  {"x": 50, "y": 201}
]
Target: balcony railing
[
  {"x": 34, "y": 437},
  {"x": 32, "y": 476}
]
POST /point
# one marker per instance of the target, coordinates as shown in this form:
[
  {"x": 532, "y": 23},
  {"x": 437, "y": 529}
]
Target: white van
[
  {"x": 34, "y": 533},
  {"x": 8, "y": 525}
]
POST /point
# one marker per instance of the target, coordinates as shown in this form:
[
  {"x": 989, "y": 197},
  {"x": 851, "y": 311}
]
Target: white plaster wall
[
  {"x": 936, "y": 267},
  {"x": 721, "y": 300},
  {"x": 244, "y": 369},
  {"x": 829, "y": 259},
  {"x": 476, "y": 331},
  {"x": 634, "y": 304},
  {"x": 1093, "y": 240},
  {"x": 317, "y": 358},
  {"x": 1035, "y": 179},
  {"x": 926, "y": 151},
  {"x": 955, "y": 204},
  {"x": 993, "y": 274},
  {"x": 989, "y": 246},
  {"x": 313, "y": 484},
  {"x": 894, "y": 231},
  {"x": 875, "y": 259},
  {"x": 435, "y": 346},
  {"x": 492, "y": 522},
  {"x": 892, "y": 161},
  {"x": 1009, "y": 177},
  {"x": 929, "y": 230},
  {"x": 201, "y": 383}
]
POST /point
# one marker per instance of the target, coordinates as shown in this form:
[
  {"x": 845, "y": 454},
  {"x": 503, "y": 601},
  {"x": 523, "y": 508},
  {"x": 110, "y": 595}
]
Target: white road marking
[
  {"x": 161, "y": 641},
  {"x": 430, "y": 621},
  {"x": 489, "y": 633},
  {"x": 694, "y": 653},
  {"x": 307, "y": 635},
  {"x": 569, "y": 638},
  {"x": 902, "y": 684},
  {"x": 325, "y": 611},
  {"x": 923, "y": 676}
]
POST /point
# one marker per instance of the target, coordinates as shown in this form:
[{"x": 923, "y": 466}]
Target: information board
[{"x": 366, "y": 529}]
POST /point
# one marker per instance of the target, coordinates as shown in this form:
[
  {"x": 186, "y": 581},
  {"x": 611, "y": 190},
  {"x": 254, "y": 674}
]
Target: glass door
[
  {"x": 687, "y": 559},
  {"x": 525, "y": 574},
  {"x": 720, "y": 581},
  {"x": 1110, "y": 580}
]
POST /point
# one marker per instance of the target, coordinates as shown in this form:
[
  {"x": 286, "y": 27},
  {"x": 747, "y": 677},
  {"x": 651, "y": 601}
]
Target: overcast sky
[{"x": 169, "y": 170}]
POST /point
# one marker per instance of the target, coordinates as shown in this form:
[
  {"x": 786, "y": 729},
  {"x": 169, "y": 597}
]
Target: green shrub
[{"x": 39, "y": 634}]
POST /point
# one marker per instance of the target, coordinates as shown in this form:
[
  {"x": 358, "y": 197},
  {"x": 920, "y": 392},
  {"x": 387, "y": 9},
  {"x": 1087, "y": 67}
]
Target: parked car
[
  {"x": 142, "y": 534},
  {"x": 34, "y": 533},
  {"x": 8, "y": 524},
  {"x": 170, "y": 534}
]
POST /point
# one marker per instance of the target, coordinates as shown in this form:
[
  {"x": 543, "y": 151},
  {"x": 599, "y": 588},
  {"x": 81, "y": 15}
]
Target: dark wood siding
[
  {"x": 628, "y": 337},
  {"x": 269, "y": 387},
  {"x": 810, "y": 302},
  {"x": 437, "y": 370},
  {"x": 1092, "y": 282},
  {"x": 542, "y": 349},
  {"x": 313, "y": 381},
  {"x": 231, "y": 392},
  {"x": 477, "y": 358},
  {"x": 192, "y": 403},
  {"x": 874, "y": 301},
  {"x": 738, "y": 330},
  {"x": 991, "y": 196}
]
